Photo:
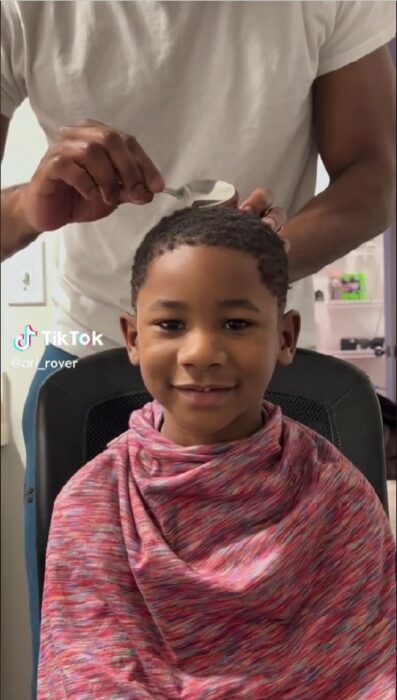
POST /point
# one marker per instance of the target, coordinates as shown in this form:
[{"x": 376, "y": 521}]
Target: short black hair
[{"x": 219, "y": 227}]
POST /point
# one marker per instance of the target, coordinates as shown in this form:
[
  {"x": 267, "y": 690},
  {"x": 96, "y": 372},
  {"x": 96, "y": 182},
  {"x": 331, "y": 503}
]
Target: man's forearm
[
  {"x": 16, "y": 233},
  {"x": 356, "y": 206}
]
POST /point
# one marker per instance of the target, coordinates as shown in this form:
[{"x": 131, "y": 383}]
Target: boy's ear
[
  {"x": 290, "y": 325},
  {"x": 128, "y": 326}
]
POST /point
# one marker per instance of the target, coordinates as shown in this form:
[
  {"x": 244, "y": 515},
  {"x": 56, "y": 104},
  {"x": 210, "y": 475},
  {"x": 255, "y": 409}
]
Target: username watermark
[{"x": 40, "y": 364}]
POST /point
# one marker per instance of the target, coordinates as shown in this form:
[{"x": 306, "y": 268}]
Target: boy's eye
[
  {"x": 170, "y": 325},
  {"x": 237, "y": 324}
]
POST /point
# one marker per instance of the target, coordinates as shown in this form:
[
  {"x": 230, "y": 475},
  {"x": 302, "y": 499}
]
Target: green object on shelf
[{"x": 354, "y": 286}]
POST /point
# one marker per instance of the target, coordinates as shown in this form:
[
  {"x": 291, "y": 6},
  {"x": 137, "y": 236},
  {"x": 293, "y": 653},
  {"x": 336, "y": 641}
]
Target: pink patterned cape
[{"x": 259, "y": 569}]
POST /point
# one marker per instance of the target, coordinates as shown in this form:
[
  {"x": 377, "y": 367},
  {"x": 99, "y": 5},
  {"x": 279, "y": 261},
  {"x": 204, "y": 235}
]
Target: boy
[{"x": 216, "y": 549}]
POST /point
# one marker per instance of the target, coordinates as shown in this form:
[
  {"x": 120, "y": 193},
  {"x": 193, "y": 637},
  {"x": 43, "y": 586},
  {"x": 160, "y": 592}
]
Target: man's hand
[
  {"x": 86, "y": 173},
  {"x": 261, "y": 203}
]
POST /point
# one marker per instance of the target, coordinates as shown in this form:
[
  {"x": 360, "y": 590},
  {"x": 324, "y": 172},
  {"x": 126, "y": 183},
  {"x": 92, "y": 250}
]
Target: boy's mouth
[
  {"x": 204, "y": 396},
  {"x": 204, "y": 388}
]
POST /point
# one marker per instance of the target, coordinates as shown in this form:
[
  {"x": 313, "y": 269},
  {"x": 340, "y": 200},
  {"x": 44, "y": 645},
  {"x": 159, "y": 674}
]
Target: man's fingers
[
  {"x": 137, "y": 174},
  {"x": 123, "y": 162},
  {"x": 152, "y": 177},
  {"x": 92, "y": 158},
  {"x": 123, "y": 153},
  {"x": 258, "y": 202},
  {"x": 275, "y": 217},
  {"x": 61, "y": 168},
  {"x": 95, "y": 161}
]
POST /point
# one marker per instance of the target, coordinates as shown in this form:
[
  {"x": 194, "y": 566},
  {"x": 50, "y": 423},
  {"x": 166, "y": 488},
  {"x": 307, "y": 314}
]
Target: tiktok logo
[{"x": 24, "y": 341}]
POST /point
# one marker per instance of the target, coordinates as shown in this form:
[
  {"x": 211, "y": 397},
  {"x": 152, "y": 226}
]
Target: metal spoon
[{"x": 203, "y": 193}]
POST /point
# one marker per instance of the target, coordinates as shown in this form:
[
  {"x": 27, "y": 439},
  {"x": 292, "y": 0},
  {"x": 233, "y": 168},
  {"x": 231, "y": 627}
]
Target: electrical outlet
[{"x": 25, "y": 276}]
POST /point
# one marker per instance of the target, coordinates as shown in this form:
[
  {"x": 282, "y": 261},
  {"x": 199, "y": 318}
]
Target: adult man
[{"x": 245, "y": 92}]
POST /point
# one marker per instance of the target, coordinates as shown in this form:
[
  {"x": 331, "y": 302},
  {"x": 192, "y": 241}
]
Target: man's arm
[
  {"x": 354, "y": 117},
  {"x": 15, "y": 231}
]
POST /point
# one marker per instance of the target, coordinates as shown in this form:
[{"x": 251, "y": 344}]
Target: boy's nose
[{"x": 202, "y": 350}]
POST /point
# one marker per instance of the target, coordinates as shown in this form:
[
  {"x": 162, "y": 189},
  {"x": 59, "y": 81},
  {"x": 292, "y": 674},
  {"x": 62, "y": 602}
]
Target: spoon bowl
[{"x": 203, "y": 193}]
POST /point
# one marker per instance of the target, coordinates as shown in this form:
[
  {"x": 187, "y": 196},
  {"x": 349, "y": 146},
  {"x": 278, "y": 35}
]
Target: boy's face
[{"x": 207, "y": 336}]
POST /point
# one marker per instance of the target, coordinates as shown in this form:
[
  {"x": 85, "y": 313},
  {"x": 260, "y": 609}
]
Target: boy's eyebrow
[
  {"x": 168, "y": 304},
  {"x": 239, "y": 303},
  {"x": 225, "y": 304}
]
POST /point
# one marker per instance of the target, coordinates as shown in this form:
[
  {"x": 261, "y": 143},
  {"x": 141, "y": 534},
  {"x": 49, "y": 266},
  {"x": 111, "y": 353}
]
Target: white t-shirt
[{"x": 210, "y": 89}]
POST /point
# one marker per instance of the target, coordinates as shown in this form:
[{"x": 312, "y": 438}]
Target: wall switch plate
[{"x": 25, "y": 276}]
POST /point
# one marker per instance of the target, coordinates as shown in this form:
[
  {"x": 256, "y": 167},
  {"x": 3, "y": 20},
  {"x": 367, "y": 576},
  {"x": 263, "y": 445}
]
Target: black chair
[{"x": 80, "y": 410}]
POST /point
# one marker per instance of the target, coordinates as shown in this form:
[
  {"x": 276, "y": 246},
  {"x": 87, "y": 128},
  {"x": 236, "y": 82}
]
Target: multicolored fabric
[{"x": 259, "y": 569}]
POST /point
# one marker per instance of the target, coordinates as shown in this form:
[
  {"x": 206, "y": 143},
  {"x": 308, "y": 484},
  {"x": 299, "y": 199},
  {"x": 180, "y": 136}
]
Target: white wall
[{"x": 25, "y": 146}]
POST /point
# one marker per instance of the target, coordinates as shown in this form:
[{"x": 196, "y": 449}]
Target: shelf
[
  {"x": 352, "y": 354},
  {"x": 354, "y": 303}
]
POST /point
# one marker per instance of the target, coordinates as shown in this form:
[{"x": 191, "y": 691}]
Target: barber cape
[{"x": 257, "y": 569}]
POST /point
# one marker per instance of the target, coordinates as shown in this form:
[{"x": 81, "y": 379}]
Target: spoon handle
[{"x": 171, "y": 191}]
